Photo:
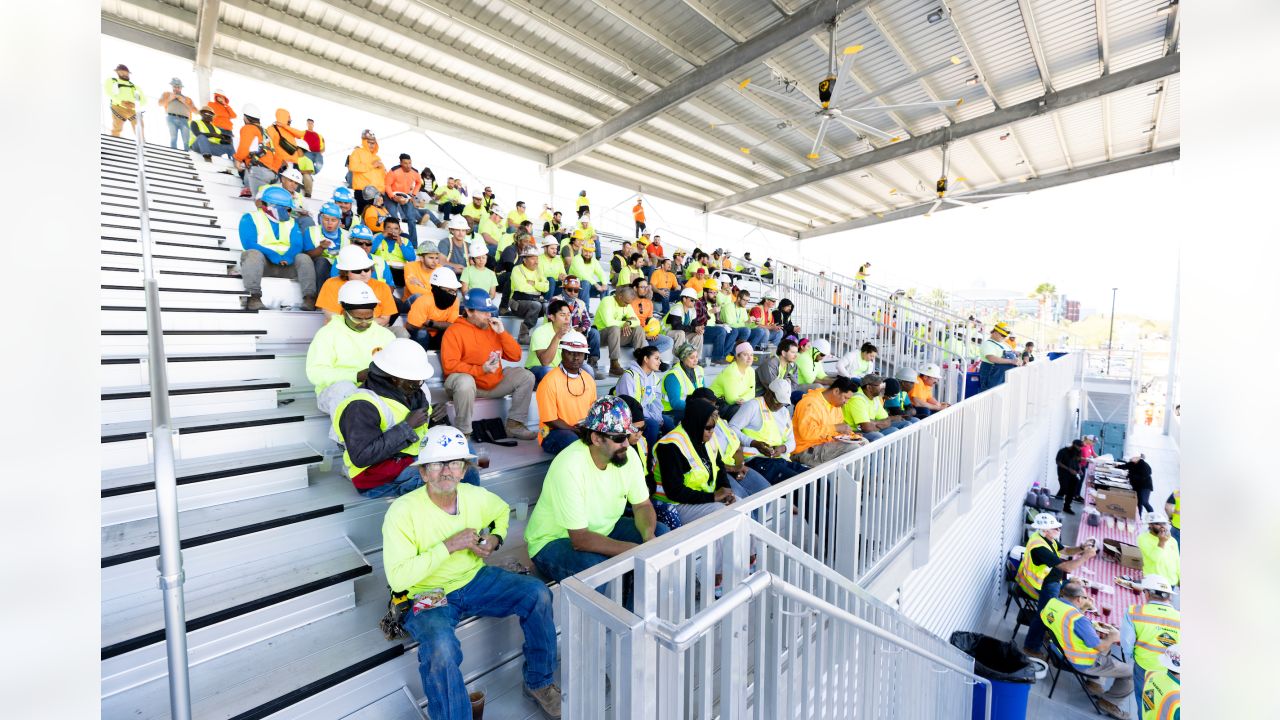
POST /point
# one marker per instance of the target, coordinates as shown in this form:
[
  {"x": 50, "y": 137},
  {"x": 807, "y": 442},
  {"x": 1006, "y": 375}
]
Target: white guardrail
[{"x": 793, "y": 633}]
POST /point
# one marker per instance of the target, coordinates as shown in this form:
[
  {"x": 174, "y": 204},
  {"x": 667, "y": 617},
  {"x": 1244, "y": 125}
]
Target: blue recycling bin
[
  {"x": 1056, "y": 355},
  {"x": 971, "y": 384},
  {"x": 1010, "y": 672}
]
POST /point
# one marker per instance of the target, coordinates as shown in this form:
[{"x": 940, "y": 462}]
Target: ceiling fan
[
  {"x": 832, "y": 89},
  {"x": 943, "y": 185}
]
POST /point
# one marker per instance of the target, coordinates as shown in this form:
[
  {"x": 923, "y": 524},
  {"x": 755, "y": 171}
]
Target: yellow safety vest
[
  {"x": 726, "y": 440},
  {"x": 1176, "y": 518},
  {"x": 1161, "y": 696},
  {"x": 330, "y": 252},
  {"x": 769, "y": 432},
  {"x": 1060, "y": 618},
  {"x": 1031, "y": 576},
  {"x": 268, "y": 239},
  {"x": 1156, "y": 626},
  {"x": 122, "y": 91},
  {"x": 391, "y": 252},
  {"x": 686, "y": 386},
  {"x": 214, "y": 138},
  {"x": 698, "y": 477},
  {"x": 390, "y": 413}
]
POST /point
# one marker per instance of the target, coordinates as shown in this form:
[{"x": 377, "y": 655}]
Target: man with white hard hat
[
  {"x": 564, "y": 395},
  {"x": 528, "y": 291},
  {"x": 681, "y": 323},
  {"x": 291, "y": 180},
  {"x": 339, "y": 355},
  {"x": 1088, "y": 647},
  {"x": 768, "y": 439},
  {"x": 1149, "y": 629},
  {"x": 355, "y": 263},
  {"x": 434, "y": 311},
  {"x": 809, "y": 370},
  {"x": 1043, "y": 569},
  {"x": 551, "y": 265},
  {"x": 898, "y": 402},
  {"x": 454, "y": 247},
  {"x": 1160, "y": 553},
  {"x": 921, "y": 393},
  {"x": 434, "y": 544},
  {"x": 1161, "y": 696}
]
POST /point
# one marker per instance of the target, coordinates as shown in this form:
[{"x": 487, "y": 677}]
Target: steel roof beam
[
  {"x": 1033, "y": 36},
  {"x": 805, "y": 21},
  {"x": 1132, "y": 162},
  {"x": 1158, "y": 115},
  {"x": 1062, "y": 141},
  {"x": 706, "y": 14},
  {"x": 1132, "y": 77},
  {"x": 1104, "y": 41},
  {"x": 973, "y": 60}
]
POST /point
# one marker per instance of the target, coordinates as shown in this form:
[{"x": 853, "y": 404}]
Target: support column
[{"x": 206, "y": 30}]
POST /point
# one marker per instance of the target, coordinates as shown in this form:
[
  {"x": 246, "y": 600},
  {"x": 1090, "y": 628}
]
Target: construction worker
[
  {"x": 328, "y": 238},
  {"x": 254, "y": 156},
  {"x": 222, "y": 112},
  {"x": 809, "y": 370},
  {"x": 124, "y": 98},
  {"x": 433, "y": 312},
  {"x": 764, "y": 427},
  {"x": 209, "y": 139},
  {"x": 1173, "y": 508},
  {"x": 994, "y": 362},
  {"x": 272, "y": 242},
  {"x": 1150, "y": 629},
  {"x": 582, "y": 204},
  {"x": 435, "y": 541},
  {"x": 366, "y": 169},
  {"x": 343, "y": 197},
  {"x": 1162, "y": 694},
  {"x": 637, "y": 212},
  {"x": 1160, "y": 554},
  {"x": 1087, "y": 648},
  {"x": 339, "y": 355},
  {"x": 178, "y": 109},
  {"x": 1043, "y": 569}
]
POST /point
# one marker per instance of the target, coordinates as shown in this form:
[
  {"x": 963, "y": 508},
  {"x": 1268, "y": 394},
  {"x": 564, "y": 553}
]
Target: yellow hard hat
[
  {"x": 1001, "y": 328},
  {"x": 652, "y": 327}
]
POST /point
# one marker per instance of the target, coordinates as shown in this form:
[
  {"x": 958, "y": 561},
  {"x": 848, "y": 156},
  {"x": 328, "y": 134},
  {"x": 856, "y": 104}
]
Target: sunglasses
[
  {"x": 360, "y": 272},
  {"x": 618, "y": 438},
  {"x": 362, "y": 243}
]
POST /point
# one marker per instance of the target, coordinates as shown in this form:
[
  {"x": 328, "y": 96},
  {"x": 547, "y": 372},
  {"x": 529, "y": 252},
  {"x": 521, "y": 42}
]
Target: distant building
[{"x": 1072, "y": 310}]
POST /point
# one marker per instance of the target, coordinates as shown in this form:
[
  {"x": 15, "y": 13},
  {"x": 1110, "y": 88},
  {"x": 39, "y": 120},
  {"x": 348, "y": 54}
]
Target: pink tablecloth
[{"x": 1103, "y": 572}]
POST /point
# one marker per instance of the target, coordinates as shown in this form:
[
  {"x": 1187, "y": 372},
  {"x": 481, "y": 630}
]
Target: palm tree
[
  {"x": 938, "y": 298},
  {"x": 1043, "y": 294}
]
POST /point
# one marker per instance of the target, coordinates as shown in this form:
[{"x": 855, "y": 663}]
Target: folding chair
[
  {"x": 1059, "y": 660},
  {"x": 1028, "y": 612}
]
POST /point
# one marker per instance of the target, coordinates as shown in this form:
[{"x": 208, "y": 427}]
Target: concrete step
[
  {"x": 171, "y": 246},
  {"x": 286, "y": 362},
  {"x": 126, "y": 444},
  {"x": 280, "y": 325},
  {"x": 133, "y": 402},
  {"x": 174, "y": 280},
  {"x": 134, "y": 342},
  {"x": 132, "y": 259},
  {"x": 232, "y": 299},
  {"x": 128, "y": 210},
  {"x": 129, "y": 493}
]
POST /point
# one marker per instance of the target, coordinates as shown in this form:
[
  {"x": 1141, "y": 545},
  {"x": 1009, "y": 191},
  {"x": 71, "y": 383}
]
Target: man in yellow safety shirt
[
  {"x": 124, "y": 97},
  {"x": 1160, "y": 552},
  {"x": 764, "y": 427},
  {"x": 1149, "y": 629},
  {"x": 1043, "y": 569},
  {"x": 339, "y": 355},
  {"x": 1173, "y": 508}
]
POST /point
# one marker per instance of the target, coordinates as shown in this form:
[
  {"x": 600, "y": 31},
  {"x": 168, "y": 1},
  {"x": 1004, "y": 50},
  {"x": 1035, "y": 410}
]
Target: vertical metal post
[
  {"x": 1173, "y": 350},
  {"x": 206, "y": 31},
  {"x": 162, "y": 432},
  {"x": 926, "y": 457},
  {"x": 1112, "y": 332}
]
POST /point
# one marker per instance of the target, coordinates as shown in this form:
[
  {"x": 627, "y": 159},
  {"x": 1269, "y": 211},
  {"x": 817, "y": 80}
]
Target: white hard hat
[
  {"x": 689, "y": 293},
  {"x": 445, "y": 278},
  {"x": 822, "y": 346},
  {"x": 1046, "y": 521},
  {"x": 457, "y": 222},
  {"x": 584, "y": 219},
  {"x": 781, "y": 390},
  {"x": 405, "y": 359},
  {"x": 442, "y": 444},
  {"x": 353, "y": 257},
  {"x": 932, "y": 370},
  {"x": 495, "y": 209},
  {"x": 529, "y": 251},
  {"x": 476, "y": 249},
  {"x": 847, "y": 365},
  {"x": 573, "y": 341},
  {"x": 292, "y": 174},
  {"x": 1156, "y": 583},
  {"x": 1172, "y": 658},
  {"x": 354, "y": 292},
  {"x": 907, "y": 374},
  {"x": 550, "y": 241},
  {"x": 1155, "y": 516},
  {"x": 252, "y": 110}
]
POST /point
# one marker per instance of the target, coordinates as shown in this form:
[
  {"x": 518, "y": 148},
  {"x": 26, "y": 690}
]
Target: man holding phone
[{"x": 471, "y": 353}]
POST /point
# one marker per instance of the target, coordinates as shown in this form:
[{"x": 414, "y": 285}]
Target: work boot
[
  {"x": 615, "y": 369},
  {"x": 1094, "y": 688},
  {"x": 1037, "y": 654},
  {"x": 1110, "y": 708},
  {"x": 477, "y": 705},
  {"x": 244, "y": 193},
  {"x": 548, "y": 699},
  {"x": 208, "y": 158},
  {"x": 254, "y": 302},
  {"x": 308, "y": 302},
  {"x": 520, "y": 432}
]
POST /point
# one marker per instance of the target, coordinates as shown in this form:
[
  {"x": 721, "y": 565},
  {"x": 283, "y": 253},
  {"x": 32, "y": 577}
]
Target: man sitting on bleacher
[
  {"x": 921, "y": 392},
  {"x": 809, "y": 369},
  {"x": 821, "y": 433},
  {"x": 565, "y": 395},
  {"x": 343, "y": 197},
  {"x": 471, "y": 354},
  {"x": 435, "y": 311},
  {"x": 580, "y": 319},
  {"x": 865, "y": 413},
  {"x": 768, "y": 439},
  {"x": 578, "y": 521},
  {"x": 644, "y": 309},
  {"x": 328, "y": 238},
  {"x": 682, "y": 324},
  {"x": 434, "y": 543},
  {"x": 780, "y": 365},
  {"x": 528, "y": 291},
  {"x": 355, "y": 263},
  {"x": 590, "y": 272},
  {"x": 619, "y": 326},
  {"x": 339, "y": 355},
  {"x": 271, "y": 243}
]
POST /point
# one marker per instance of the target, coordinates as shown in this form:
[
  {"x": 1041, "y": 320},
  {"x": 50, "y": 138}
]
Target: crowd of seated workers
[{"x": 660, "y": 449}]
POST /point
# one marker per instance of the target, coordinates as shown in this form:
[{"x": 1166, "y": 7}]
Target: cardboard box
[
  {"x": 1127, "y": 555},
  {"x": 1117, "y": 503}
]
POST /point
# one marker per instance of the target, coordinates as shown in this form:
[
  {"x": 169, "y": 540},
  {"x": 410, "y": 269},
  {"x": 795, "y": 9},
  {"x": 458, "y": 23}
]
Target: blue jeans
[
  {"x": 553, "y": 288},
  {"x": 1177, "y": 536},
  {"x": 663, "y": 343},
  {"x": 410, "y": 479},
  {"x": 493, "y": 592},
  {"x": 178, "y": 126},
  {"x": 750, "y": 484},
  {"x": 732, "y": 337},
  {"x": 557, "y": 440},
  {"x": 558, "y": 560},
  {"x": 316, "y": 159},
  {"x": 1139, "y": 679},
  {"x": 772, "y": 337},
  {"x": 758, "y": 337},
  {"x": 1036, "y": 630},
  {"x": 655, "y": 428},
  {"x": 776, "y": 470},
  {"x": 714, "y": 335},
  {"x": 408, "y": 216},
  {"x": 202, "y": 145}
]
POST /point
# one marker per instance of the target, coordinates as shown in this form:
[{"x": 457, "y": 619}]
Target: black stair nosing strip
[
  {"x": 208, "y": 390},
  {"x": 191, "y": 358},
  {"x": 155, "y": 148},
  {"x": 118, "y": 333},
  {"x": 129, "y": 159},
  {"x": 215, "y": 475},
  {"x": 134, "y": 207},
  {"x": 179, "y": 290},
  {"x": 153, "y": 173},
  {"x": 214, "y": 427},
  {"x": 150, "y": 150},
  {"x": 165, "y": 271},
  {"x": 203, "y": 206},
  {"x": 241, "y": 311},
  {"x": 228, "y": 534},
  {"x": 293, "y": 697},
  {"x": 193, "y": 195},
  {"x": 166, "y": 257},
  {"x": 213, "y": 618},
  {"x": 161, "y": 183},
  {"x": 155, "y": 220},
  {"x": 170, "y": 243},
  {"x": 154, "y": 168}
]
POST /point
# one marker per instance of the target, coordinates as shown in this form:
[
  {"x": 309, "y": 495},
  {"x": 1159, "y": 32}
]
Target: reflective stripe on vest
[
  {"x": 726, "y": 440},
  {"x": 1161, "y": 696},
  {"x": 390, "y": 413},
  {"x": 1156, "y": 626},
  {"x": 1060, "y": 618},
  {"x": 330, "y": 252},
  {"x": 686, "y": 386},
  {"x": 698, "y": 477},
  {"x": 207, "y": 130},
  {"x": 1031, "y": 576},
  {"x": 268, "y": 239},
  {"x": 769, "y": 433}
]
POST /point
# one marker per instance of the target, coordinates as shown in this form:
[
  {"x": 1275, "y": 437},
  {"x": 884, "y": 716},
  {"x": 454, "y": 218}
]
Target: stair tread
[
  {"x": 298, "y": 409},
  {"x": 263, "y": 352},
  {"x": 123, "y": 391},
  {"x": 135, "y": 477},
  {"x": 124, "y": 542},
  {"x": 291, "y": 566}
]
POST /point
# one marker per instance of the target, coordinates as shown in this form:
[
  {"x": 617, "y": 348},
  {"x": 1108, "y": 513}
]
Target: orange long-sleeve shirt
[
  {"x": 408, "y": 182},
  {"x": 250, "y": 134},
  {"x": 465, "y": 348},
  {"x": 815, "y": 420}
]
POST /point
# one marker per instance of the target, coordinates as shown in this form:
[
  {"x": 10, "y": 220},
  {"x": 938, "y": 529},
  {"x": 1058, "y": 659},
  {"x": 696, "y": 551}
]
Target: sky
[{"x": 1085, "y": 238}]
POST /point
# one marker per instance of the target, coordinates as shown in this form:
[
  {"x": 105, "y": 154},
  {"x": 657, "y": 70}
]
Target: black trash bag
[{"x": 995, "y": 659}]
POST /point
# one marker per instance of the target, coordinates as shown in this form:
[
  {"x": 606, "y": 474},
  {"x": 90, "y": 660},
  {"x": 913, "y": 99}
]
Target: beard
[{"x": 619, "y": 458}]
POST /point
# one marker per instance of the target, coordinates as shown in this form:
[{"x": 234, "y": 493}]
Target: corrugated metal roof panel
[
  {"x": 1001, "y": 48},
  {"x": 1068, "y": 31},
  {"x": 1082, "y": 130},
  {"x": 1136, "y": 30},
  {"x": 1040, "y": 140}
]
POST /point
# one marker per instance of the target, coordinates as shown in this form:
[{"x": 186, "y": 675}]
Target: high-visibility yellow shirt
[{"x": 414, "y": 530}]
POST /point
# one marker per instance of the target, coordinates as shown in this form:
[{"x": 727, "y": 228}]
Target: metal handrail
[{"x": 162, "y": 440}]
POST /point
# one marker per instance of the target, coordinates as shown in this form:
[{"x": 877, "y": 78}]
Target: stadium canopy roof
[{"x": 646, "y": 95}]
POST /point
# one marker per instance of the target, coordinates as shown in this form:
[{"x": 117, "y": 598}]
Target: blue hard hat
[
  {"x": 277, "y": 196},
  {"x": 331, "y": 210},
  {"x": 478, "y": 299},
  {"x": 361, "y": 232},
  {"x": 343, "y": 195}
]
